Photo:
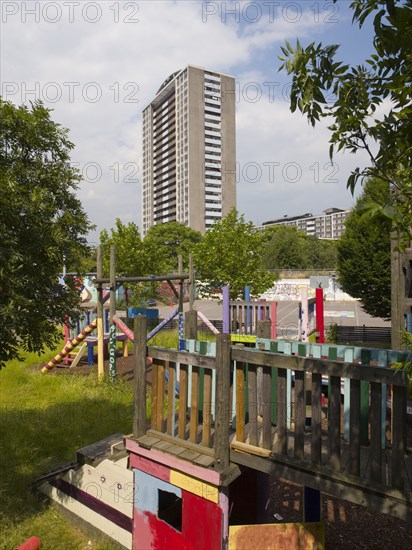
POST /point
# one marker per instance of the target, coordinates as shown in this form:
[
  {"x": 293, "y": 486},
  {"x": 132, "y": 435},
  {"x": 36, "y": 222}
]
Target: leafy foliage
[
  {"x": 130, "y": 260},
  {"x": 372, "y": 102},
  {"x": 364, "y": 256},
  {"x": 231, "y": 253},
  {"x": 288, "y": 248},
  {"x": 284, "y": 247},
  {"x": 405, "y": 366},
  {"x": 165, "y": 242},
  {"x": 42, "y": 225}
]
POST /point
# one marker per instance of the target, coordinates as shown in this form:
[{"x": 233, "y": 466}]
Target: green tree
[
  {"x": 130, "y": 260},
  {"x": 288, "y": 248},
  {"x": 165, "y": 242},
  {"x": 321, "y": 253},
  {"x": 42, "y": 225},
  {"x": 231, "y": 253},
  {"x": 364, "y": 256},
  {"x": 284, "y": 248},
  {"x": 358, "y": 92}
]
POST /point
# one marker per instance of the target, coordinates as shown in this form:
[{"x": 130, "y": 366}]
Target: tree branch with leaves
[{"x": 372, "y": 104}]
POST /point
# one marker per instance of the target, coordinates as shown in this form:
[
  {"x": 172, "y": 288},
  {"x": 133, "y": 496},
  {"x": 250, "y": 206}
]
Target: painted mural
[{"x": 291, "y": 289}]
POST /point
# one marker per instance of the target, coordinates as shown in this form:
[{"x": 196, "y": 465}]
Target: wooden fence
[{"x": 194, "y": 419}]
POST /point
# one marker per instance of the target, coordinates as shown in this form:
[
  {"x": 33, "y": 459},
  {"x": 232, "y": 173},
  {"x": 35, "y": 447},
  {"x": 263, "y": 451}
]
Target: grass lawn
[{"x": 44, "y": 420}]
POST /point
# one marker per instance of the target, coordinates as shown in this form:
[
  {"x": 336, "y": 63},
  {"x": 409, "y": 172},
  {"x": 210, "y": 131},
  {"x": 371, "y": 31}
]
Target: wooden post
[
  {"x": 240, "y": 379},
  {"x": 100, "y": 328},
  {"x": 191, "y": 325},
  {"x": 354, "y": 428},
  {"x": 248, "y": 312},
  {"x": 273, "y": 320},
  {"x": 262, "y": 331},
  {"x": 181, "y": 339},
  {"x": 401, "y": 295},
  {"x": 192, "y": 289},
  {"x": 376, "y": 432},
  {"x": 112, "y": 340},
  {"x": 139, "y": 416},
  {"x": 399, "y": 395},
  {"x": 226, "y": 309},
  {"x": 222, "y": 450}
]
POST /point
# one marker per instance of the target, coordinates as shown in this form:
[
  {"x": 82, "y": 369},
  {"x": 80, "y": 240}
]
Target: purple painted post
[
  {"x": 247, "y": 299},
  {"x": 162, "y": 324},
  {"x": 226, "y": 309}
]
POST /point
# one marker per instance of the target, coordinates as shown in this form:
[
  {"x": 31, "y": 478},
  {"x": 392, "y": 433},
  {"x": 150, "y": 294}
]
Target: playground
[
  {"x": 245, "y": 409},
  {"x": 346, "y": 525}
]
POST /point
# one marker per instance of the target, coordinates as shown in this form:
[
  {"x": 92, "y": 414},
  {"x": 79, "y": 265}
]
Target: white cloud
[{"x": 127, "y": 54}]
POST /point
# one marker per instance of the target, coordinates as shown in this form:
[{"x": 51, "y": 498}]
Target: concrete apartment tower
[{"x": 189, "y": 150}]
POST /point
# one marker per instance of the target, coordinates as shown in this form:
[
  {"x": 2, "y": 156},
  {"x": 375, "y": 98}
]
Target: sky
[{"x": 98, "y": 64}]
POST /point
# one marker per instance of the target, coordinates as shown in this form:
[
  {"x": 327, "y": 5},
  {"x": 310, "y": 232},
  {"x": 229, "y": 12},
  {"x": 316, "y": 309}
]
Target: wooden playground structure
[{"x": 219, "y": 417}]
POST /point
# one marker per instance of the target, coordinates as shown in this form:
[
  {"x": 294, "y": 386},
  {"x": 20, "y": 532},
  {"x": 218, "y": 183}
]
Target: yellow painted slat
[{"x": 194, "y": 486}]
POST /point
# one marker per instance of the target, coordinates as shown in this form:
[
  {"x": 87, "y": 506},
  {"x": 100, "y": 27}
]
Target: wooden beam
[
  {"x": 354, "y": 428},
  {"x": 222, "y": 402},
  {"x": 139, "y": 373},
  {"x": 332, "y": 368},
  {"x": 184, "y": 357},
  {"x": 334, "y": 430}
]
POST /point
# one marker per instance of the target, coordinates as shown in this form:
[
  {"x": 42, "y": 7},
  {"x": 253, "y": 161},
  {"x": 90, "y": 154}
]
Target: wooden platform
[
  {"x": 105, "y": 448},
  {"x": 249, "y": 390}
]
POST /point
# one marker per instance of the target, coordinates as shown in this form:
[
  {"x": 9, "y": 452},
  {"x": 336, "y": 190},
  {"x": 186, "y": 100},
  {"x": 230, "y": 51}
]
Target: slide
[{"x": 70, "y": 346}]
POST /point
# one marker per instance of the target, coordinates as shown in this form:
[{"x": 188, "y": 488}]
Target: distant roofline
[
  {"x": 175, "y": 74},
  {"x": 327, "y": 212}
]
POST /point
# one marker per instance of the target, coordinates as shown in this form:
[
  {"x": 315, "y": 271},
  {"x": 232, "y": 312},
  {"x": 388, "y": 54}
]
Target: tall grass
[{"x": 44, "y": 419}]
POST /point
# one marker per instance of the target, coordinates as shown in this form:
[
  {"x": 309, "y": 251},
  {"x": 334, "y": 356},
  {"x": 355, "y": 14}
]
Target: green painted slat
[
  {"x": 274, "y": 346},
  {"x": 332, "y": 353},
  {"x": 202, "y": 348},
  {"x": 301, "y": 350}
]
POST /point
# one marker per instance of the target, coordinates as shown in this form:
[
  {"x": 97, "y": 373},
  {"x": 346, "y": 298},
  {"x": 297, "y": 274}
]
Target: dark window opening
[{"x": 170, "y": 509}]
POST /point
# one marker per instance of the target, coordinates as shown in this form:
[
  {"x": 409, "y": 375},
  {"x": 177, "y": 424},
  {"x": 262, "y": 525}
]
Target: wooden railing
[
  {"x": 298, "y": 443},
  {"x": 268, "y": 421},
  {"x": 244, "y": 316}
]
